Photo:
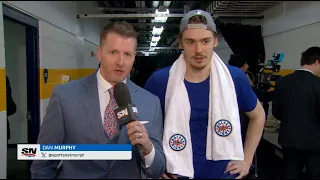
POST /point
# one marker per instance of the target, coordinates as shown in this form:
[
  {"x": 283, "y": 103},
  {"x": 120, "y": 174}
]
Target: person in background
[
  {"x": 82, "y": 112},
  {"x": 264, "y": 96},
  {"x": 197, "y": 39},
  {"x": 11, "y": 105},
  {"x": 296, "y": 104},
  {"x": 240, "y": 62}
]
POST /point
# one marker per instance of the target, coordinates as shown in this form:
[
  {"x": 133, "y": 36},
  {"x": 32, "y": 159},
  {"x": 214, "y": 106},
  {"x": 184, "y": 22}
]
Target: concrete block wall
[
  {"x": 290, "y": 28},
  {"x": 67, "y": 46},
  {"x": 62, "y": 53},
  {"x": 223, "y": 50},
  {"x": 3, "y": 114}
]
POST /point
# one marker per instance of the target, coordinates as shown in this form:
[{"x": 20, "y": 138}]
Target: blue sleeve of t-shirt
[
  {"x": 157, "y": 83},
  {"x": 150, "y": 84},
  {"x": 153, "y": 85},
  {"x": 247, "y": 99}
]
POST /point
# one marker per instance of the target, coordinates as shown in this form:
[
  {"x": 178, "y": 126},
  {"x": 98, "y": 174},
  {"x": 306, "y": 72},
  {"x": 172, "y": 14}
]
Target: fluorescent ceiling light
[
  {"x": 162, "y": 12},
  {"x": 157, "y": 31},
  {"x": 151, "y": 49},
  {"x": 160, "y": 19},
  {"x": 152, "y": 44},
  {"x": 161, "y": 16},
  {"x": 155, "y": 38}
]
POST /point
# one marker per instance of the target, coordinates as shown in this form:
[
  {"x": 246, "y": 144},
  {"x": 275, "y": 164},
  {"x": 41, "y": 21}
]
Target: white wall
[
  {"x": 3, "y": 114},
  {"x": 16, "y": 62},
  {"x": 65, "y": 41},
  {"x": 223, "y": 50},
  {"x": 62, "y": 14},
  {"x": 57, "y": 47},
  {"x": 65, "y": 45},
  {"x": 290, "y": 28}
]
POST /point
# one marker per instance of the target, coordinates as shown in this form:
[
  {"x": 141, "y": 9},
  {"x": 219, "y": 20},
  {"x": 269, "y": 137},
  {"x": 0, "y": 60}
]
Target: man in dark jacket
[
  {"x": 11, "y": 106},
  {"x": 296, "y": 104}
]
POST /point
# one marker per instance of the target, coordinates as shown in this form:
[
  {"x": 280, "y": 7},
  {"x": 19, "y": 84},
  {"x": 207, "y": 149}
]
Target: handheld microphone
[{"x": 127, "y": 112}]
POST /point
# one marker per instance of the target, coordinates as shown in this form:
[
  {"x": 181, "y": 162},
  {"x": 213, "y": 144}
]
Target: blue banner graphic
[{"x": 85, "y": 147}]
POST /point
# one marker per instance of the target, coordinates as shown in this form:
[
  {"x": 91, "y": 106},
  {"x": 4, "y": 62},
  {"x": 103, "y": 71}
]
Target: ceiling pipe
[
  {"x": 137, "y": 9},
  {"x": 126, "y": 16},
  {"x": 164, "y": 48}
]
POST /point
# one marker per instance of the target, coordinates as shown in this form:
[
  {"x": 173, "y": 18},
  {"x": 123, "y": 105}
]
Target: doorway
[{"x": 22, "y": 71}]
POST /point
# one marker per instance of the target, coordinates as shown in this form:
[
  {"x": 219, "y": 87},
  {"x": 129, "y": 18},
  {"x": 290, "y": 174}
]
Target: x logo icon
[{"x": 43, "y": 154}]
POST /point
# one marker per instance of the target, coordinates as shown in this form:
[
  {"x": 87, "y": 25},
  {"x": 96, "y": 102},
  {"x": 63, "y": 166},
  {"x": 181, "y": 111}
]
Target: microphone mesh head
[{"x": 122, "y": 94}]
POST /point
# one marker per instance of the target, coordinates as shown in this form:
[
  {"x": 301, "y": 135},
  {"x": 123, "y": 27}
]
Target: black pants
[
  {"x": 294, "y": 161},
  {"x": 265, "y": 97}
]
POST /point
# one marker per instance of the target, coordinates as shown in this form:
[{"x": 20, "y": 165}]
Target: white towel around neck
[{"x": 223, "y": 106}]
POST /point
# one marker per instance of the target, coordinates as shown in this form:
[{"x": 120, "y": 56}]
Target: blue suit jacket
[{"x": 73, "y": 117}]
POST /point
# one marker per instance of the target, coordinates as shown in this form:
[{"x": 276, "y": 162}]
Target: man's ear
[
  {"x": 99, "y": 54},
  {"x": 317, "y": 63},
  {"x": 180, "y": 43},
  {"x": 216, "y": 42}
]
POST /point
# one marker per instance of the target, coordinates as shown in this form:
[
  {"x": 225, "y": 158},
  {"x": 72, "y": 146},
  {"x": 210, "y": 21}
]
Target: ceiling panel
[{"x": 144, "y": 25}]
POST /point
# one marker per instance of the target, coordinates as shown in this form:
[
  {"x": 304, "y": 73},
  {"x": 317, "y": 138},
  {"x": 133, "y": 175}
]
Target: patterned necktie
[{"x": 110, "y": 123}]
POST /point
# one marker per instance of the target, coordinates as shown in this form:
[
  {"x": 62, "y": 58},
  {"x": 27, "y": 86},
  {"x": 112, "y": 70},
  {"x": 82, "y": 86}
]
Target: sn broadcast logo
[
  {"x": 123, "y": 115},
  {"x": 29, "y": 152}
]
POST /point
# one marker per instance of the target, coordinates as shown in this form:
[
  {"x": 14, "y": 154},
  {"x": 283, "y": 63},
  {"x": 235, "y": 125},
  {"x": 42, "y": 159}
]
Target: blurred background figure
[
  {"x": 240, "y": 61},
  {"x": 11, "y": 105},
  {"x": 296, "y": 104}
]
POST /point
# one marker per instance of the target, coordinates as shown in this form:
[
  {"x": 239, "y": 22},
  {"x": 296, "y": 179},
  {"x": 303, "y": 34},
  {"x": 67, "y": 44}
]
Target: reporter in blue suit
[{"x": 81, "y": 112}]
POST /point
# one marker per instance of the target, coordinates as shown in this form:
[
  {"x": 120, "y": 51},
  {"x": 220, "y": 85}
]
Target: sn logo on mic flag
[{"x": 74, "y": 152}]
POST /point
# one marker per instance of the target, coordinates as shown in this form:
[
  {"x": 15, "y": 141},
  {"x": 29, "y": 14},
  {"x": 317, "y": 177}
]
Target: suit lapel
[
  {"x": 91, "y": 103},
  {"x": 132, "y": 88},
  {"x": 123, "y": 137}
]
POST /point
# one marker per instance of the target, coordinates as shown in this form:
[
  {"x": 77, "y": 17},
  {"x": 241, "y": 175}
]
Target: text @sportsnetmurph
[{"x": 72, "y": 155}]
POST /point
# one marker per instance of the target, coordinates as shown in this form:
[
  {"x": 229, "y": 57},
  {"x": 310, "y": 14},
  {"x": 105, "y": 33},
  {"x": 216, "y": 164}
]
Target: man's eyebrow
[
  {"x": 129, "y": 52},
  {"x": 206, "y": 38}
]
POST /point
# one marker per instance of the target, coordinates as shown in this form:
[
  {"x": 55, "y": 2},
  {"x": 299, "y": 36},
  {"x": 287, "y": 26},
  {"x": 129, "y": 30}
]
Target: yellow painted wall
[
  {"x": 54, "y": 78},
  {"x": 46, "y": 89},
  {"x": 284, "y": 72},
  {"x": 3, "y": 99}
]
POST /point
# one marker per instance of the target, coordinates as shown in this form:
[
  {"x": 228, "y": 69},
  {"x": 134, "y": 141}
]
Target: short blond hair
[{"x": 122, "y": 28}]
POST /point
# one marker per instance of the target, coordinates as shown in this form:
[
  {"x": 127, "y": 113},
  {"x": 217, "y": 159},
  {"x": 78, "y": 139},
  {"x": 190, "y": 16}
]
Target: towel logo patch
[
  {"x": 223, "y": 128},
  {"x": 177, "y": 142}
]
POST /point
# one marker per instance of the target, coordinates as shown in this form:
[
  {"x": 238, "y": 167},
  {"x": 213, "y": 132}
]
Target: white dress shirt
[{"x": 104, "y": 98}]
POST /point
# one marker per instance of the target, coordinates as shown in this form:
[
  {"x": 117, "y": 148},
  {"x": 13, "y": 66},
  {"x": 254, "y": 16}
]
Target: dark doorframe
[
  {"x": 33, "y": 86},
  {"x": 32, "y": 54}
]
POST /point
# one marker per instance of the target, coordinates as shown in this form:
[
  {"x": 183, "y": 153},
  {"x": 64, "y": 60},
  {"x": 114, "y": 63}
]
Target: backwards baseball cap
[{"x": 184, "y": 24}]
